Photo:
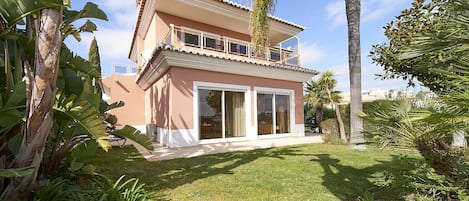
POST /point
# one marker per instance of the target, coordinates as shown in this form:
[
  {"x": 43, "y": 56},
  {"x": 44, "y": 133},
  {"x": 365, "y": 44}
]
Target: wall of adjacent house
[
  {"x": 182, "y": 88},
  {"x": 121, "y": 87}
]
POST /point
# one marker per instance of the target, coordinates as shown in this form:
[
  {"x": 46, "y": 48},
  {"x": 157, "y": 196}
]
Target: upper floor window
[
  {"x": 191, "y": 39},
  {"x": 238, "y": 49},
  {"x": 214, "y": 43}
]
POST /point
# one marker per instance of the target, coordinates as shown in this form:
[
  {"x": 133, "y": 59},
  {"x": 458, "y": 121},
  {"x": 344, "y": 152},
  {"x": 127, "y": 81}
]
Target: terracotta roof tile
[{"x": 220, "y": 55}]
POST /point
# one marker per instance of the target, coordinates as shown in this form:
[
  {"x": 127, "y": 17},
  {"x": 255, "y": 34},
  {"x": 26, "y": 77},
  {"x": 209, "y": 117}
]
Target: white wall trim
[
  {"x": 203, "y": 62},
  {"x": 141, "y": 128},
  {"x": 166, "y": 58},
  {"x": 176, "y": 137},
  {"x": 220, "y": 86}
]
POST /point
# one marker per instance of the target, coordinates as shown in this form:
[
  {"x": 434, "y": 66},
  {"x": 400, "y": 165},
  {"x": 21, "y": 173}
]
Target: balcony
[{"x": 285, "y": 52}]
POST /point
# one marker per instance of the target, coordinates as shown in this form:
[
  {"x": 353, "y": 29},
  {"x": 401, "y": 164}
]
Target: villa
[{"x": 202, "y": 80}]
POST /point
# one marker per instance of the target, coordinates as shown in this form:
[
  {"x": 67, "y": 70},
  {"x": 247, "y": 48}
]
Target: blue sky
[{"x": 323, "y": 44}]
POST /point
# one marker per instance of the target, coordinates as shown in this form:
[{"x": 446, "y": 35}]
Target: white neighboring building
[{"x": 380, "y": 94}]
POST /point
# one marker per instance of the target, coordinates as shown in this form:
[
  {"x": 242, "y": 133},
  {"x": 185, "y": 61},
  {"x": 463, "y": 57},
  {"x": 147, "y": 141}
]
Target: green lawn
[{"x": 307, "y": 172}]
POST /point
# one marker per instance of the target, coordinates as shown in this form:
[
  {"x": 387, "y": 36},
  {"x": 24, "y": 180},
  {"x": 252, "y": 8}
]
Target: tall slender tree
[
  {"x": 352, "y": 8},
  {"x": 94, "y": 58}
]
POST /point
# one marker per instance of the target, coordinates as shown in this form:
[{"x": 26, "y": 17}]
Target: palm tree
[
  {"x": 322, "y": 92},
  {"x": 352, "y": 8},
  {"x": 328, "y": 82},
  {"x": 259, "y": 25},
  {"x": 317, "y": 97}
]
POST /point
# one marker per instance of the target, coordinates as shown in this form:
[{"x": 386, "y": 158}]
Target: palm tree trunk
[
  {"x": 319, "y": 116},
  {"x": 352, "y": 8},
  {"x": 340, "y": 122},
  {"x": 40, "y": 102}
]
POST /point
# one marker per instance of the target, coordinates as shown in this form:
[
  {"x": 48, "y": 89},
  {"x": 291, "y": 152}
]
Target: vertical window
[
  {"x": 234, "y": 114},
  {"x": 221, "y": 114},
  {"x": 264, "y": 114},
  {"x": 273, "y": 114},
  {"x": 282, "y": 113},
  {"x": 210, "y": 114}
]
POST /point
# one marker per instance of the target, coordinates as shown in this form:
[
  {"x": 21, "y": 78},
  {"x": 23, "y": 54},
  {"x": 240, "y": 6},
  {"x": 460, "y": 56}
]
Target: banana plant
[{"x": 74, "y": 112}]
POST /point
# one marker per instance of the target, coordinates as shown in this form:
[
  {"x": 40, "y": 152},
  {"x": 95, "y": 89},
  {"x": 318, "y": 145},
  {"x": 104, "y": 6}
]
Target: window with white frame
[
  {"x": 273, "y": 113},
  {"x": 221, "y": 113}
]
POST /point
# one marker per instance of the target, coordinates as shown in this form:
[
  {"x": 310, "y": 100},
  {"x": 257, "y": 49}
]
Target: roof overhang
[
  {"x": 225, "y": 14},
  {"x": 163, "y": 59},
  {"x": 219, "y": 13}
]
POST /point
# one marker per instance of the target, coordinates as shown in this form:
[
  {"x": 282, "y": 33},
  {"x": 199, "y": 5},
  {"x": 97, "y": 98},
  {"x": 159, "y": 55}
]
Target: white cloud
[
  {"x": 119, "y": 4},
  {"x": 336, "y": 13},
  {"x": 341, "y": 74},
  {"x": 113, "y": 43},
  {"x": 340, "y": 70},
  {"x": 370, "y": 10},
  {"x": 121, "y": 13},
  {"x": 125, "y": 19},
  {"x": 376, "y": 9},
  {"x": 310, "y": 53}
]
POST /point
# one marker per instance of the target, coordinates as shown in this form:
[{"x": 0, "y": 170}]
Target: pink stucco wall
[
  {"x": 160, "y": 102},
  {"x": 181, "y": 97},
  {"x": 163, "y": 21},
  {"x": 159, "y": 28},
  {"x": 124, "y": 88}
]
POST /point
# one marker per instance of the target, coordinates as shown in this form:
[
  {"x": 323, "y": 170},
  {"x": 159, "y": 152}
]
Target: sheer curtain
[
  {"x": 282, "y": 110},
  {"x": 234, "y": 114}
]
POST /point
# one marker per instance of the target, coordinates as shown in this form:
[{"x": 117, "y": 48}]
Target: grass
[{"x": 307, "y": 172}]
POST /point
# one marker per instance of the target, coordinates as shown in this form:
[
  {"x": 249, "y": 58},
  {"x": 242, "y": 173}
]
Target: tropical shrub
[
  {"x": 321, "y": 92},
  {"x": 125, "y": 190},
  {"x": 101, "y": 188},
  {"x": 399, "y": 124},
  {"x": 46, "y": 106},
  {"x": 429, "y": 42},
  {"x": 416, "y": 180}
]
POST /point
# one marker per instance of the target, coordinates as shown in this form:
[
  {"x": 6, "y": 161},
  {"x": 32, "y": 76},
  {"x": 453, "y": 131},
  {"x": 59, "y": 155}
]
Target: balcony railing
[{"x": 285, "y": 52}]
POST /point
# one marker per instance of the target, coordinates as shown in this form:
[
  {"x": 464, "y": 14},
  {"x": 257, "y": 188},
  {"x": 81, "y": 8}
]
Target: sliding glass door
[
  {"x": 235, "y": 118},
  {"x": 221, "y": 114},
  {"x": 210, "y": 119},
  {"x": 273, "y": 113},
  {"x": 282, "y": 114},
  {"x": 265, "y": 122}
]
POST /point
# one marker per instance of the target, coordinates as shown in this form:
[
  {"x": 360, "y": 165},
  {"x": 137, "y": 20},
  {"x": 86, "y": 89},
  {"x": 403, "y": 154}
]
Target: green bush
[
  {"x": 416, "y": 180},
  {"x": 100, "y": 188},
  {"x": 444, "y": 173},
  {"x": 310, "y": 111}
]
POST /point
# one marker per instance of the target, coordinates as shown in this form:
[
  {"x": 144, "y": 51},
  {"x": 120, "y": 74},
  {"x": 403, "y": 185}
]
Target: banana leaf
[{"x": 134, "y": 135}]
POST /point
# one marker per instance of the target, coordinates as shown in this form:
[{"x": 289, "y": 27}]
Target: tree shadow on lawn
[
  {"x": 350, "y": 183},
  {"x": 344, "y": 182},
  {"x": 169, "y": 174}
]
